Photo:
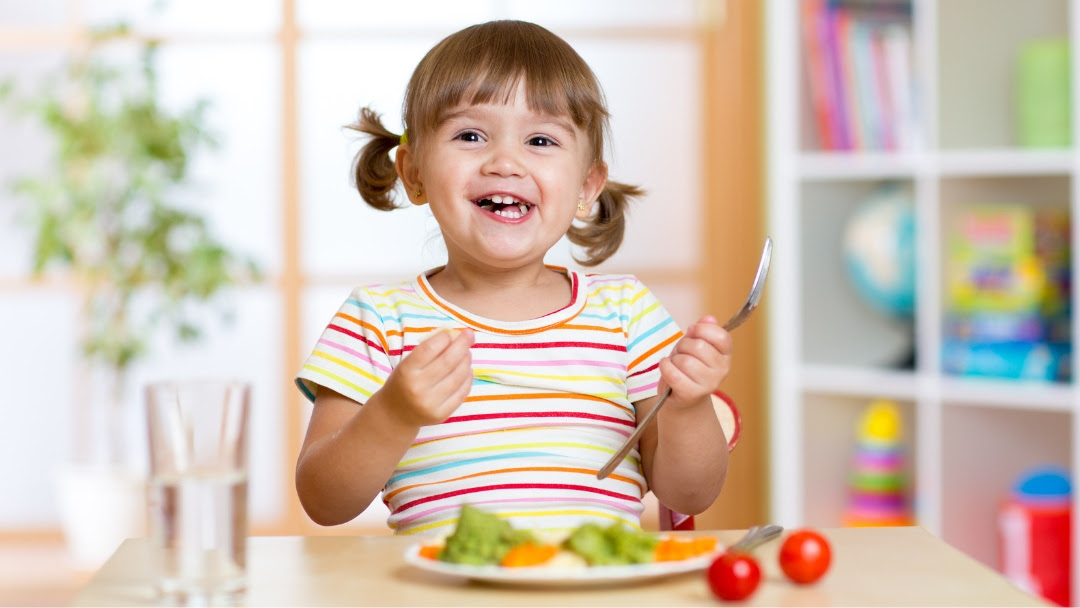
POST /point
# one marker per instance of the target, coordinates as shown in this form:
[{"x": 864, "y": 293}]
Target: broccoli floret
[
  {"x": 611, "y": 546},
  {"x": 481, "y": 538}
]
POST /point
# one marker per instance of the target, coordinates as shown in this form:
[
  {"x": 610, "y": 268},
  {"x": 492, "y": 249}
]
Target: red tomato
[
  {"x": 805, "y": 556},
  {"x": 734, "y": 576}
]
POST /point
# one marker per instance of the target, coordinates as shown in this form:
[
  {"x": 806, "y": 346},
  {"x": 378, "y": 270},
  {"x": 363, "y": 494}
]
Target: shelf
[
  {"x": 1004, "y": 162},
  {"x": 1035, "y": 396},
  {"x": 818, "y": 166},
  {"x": 851, "y": 381},
  {"x": 825, "y": 166},
  {"x": 833, "y": 348}
]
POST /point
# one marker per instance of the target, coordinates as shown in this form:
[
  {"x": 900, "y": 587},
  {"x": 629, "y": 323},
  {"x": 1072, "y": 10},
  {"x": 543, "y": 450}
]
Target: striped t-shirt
[{"x": 552, "y": 399}]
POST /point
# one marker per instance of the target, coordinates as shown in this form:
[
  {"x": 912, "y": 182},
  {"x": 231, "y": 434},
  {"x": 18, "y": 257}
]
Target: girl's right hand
[{"x": 433, "y": 380}]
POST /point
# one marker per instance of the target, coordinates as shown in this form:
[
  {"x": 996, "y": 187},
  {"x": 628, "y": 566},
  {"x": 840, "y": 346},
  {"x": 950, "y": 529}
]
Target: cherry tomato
[
  {"x": 805, "y": 556},
  {"x": 734, "y": 576}
]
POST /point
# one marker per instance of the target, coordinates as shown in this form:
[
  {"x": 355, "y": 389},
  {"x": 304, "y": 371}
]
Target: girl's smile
[{"x": 506, "y": 207}]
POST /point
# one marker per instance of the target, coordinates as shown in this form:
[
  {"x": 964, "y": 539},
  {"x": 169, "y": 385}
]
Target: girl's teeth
[
  {"x": 511, "y": 208},
  {"x": 509, "y": 212}
]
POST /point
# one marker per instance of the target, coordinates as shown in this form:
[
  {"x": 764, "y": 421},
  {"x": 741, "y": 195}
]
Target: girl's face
[{"x": 504, "y": 182}]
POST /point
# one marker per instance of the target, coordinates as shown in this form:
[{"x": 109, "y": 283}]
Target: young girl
[{"x": 497, "y": 380}]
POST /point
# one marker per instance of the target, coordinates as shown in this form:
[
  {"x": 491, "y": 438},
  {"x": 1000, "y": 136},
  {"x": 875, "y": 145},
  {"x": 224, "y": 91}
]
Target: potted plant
[{"x": 105, "y": 215}]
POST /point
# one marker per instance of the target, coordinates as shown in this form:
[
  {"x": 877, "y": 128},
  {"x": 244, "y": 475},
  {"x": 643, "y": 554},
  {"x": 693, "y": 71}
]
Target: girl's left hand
[{"x": 699, "y": 362}]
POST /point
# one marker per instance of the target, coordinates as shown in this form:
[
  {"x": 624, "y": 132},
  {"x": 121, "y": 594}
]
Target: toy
[
  {"x": 878, "y": 485},
  {"x": 1007, "y": 286},
  {"x": 879, "y": 251},
  {"x": 1036, "y": 534},
  {"x": 992, "y": 265}
]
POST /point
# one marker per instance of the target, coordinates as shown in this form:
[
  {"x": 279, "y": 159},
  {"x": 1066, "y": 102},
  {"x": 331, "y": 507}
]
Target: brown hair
[{"x": 483, "y": 64}]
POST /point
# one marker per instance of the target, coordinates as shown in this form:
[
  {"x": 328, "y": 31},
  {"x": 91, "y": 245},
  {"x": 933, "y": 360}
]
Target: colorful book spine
[
  {"x": 835, "y": 66},
  {"x": 883, "y": 89},
  {"x": 813, "y": 20},
  {"x": 864, "y": 84},
  {"x": 849, "y": 84},
  {"x": 897, "y": 44}
]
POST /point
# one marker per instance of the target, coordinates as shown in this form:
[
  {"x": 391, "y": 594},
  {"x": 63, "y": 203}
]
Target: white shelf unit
[{"x": 829, "y": 355}]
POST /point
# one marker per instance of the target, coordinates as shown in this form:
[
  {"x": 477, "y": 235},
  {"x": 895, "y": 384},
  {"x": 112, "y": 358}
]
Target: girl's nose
[{"x": 504, "y": 159}]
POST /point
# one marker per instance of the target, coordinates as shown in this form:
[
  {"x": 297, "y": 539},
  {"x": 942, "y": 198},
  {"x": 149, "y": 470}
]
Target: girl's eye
[
  {"x": 541, "y": 141},
  {"x": 469, "y": 136}
]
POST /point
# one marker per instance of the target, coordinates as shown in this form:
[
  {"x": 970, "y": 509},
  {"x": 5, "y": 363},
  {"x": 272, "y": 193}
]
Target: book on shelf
[{"x": 859, "y": 74}]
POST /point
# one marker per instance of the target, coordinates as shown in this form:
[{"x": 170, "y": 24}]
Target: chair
[{"x": 731, "y": 422}]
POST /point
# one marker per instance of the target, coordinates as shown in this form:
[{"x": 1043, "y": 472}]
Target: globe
[{"x": 879, "y": 251}]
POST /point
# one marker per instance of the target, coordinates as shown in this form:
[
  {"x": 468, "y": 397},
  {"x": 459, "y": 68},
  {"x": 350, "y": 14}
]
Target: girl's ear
[
  {"x": 595, "y": 180},
  {"x": 405, "y": 163}
]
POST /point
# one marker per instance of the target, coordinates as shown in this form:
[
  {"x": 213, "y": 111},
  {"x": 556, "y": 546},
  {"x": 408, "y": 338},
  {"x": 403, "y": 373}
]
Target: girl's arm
[
  {"x": 351, "y": 450},
  {"x": 348, "y": 454},
  {"x": 684, "y": 454}
]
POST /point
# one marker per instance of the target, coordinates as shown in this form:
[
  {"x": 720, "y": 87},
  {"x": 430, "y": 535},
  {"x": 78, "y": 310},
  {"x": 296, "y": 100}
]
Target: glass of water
[{"x": 198, "y": 489}]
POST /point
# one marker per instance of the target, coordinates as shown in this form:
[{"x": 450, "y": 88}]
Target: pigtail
[
  {"x": 602, "y": 233},
  {"x": 373, "y": 170}
]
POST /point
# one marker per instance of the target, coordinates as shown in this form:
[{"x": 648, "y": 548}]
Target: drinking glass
[{"x": 197, "y": 433}]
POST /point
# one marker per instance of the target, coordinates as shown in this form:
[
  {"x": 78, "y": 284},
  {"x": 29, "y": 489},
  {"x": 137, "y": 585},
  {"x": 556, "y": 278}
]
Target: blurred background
[
  {"x": 133, "y": 249},
  {"x": 912, "y": 160}
]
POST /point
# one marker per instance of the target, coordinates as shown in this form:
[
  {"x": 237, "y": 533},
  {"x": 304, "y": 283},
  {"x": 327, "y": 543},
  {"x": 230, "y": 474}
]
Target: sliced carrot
[
  {"x": 704, "y": 544},
  {"x": 430, "y": 551},
  {"x": 665, "y": 550},
  {"x": 673, "y": 549},
  {"x": 528, "y": 554}
]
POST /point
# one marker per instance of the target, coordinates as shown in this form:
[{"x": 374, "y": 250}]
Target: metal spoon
[{"x": 736, "y": 320}]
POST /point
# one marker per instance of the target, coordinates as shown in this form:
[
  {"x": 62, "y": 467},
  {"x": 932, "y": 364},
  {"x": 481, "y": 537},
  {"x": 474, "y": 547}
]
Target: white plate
[{"x": 558, "y": 577}]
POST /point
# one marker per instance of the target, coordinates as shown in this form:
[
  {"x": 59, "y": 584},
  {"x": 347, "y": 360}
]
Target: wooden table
[{"x": 871, "y": 567}]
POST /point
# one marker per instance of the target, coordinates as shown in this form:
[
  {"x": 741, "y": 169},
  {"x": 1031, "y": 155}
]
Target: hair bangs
[{"x": 486, "y": 63}]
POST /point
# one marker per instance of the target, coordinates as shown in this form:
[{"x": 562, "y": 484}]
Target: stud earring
[
  {"x": 581, "y": 205},
  {"x": 419, "y": 191}
]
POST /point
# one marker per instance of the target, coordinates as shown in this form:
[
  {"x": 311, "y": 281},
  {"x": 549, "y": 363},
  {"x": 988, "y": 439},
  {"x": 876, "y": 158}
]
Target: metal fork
[
  {"x": 736, "y": 320},
  {"x": 756, "y": 535}
]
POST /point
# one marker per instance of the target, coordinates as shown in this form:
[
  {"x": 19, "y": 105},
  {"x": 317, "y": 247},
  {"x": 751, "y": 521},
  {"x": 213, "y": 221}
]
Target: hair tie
[{"x": 404, "y": 139}]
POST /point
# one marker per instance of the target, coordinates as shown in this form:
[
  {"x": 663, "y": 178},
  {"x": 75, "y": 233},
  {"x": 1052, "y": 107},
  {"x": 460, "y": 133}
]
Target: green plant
[{"x": 104, "y": 212}]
